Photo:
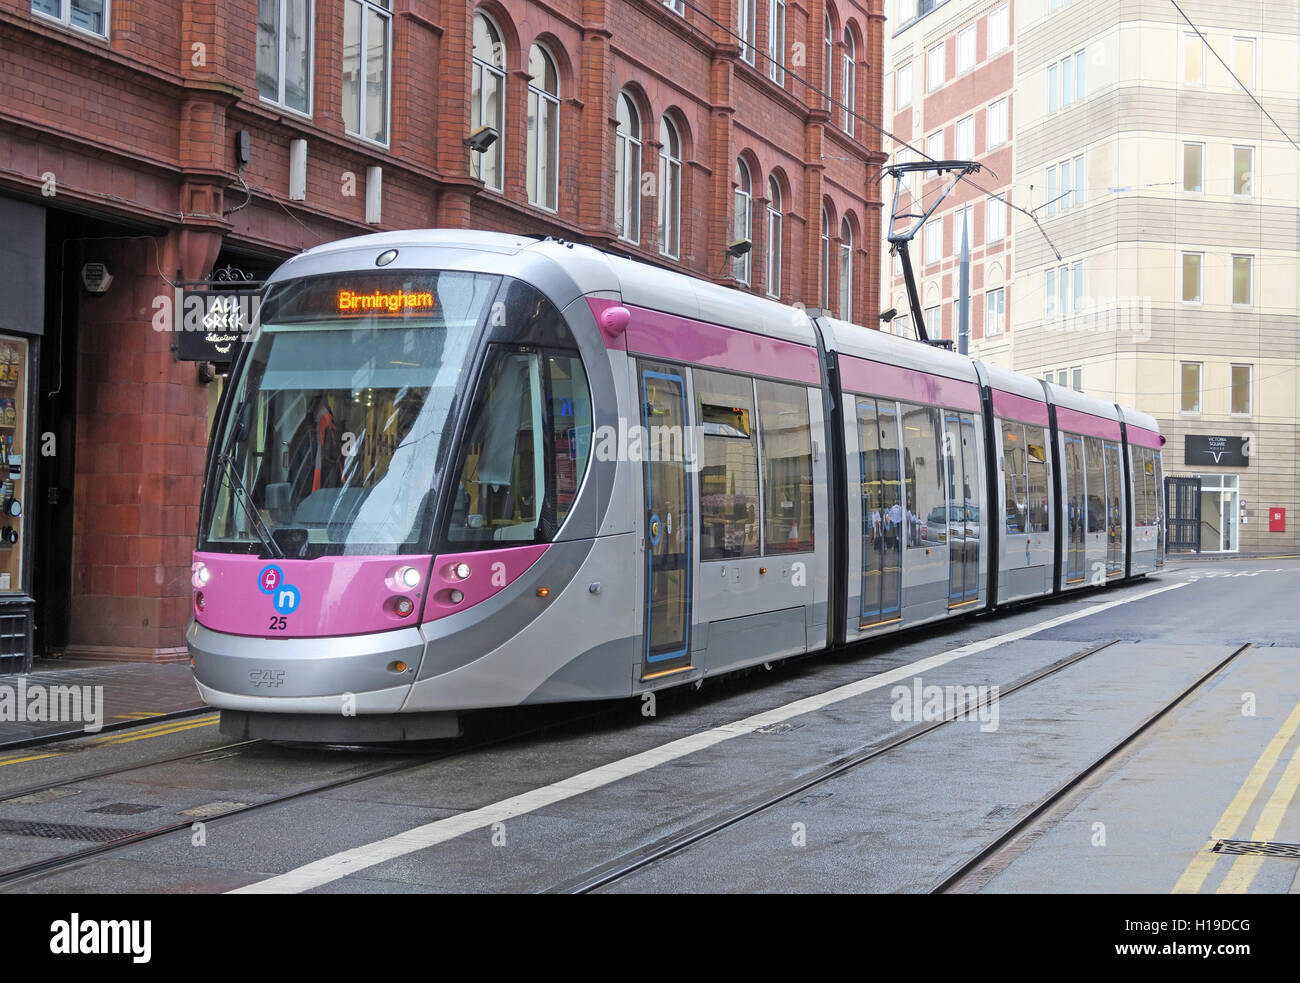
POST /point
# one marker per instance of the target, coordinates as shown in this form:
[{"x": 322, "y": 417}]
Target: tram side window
[
  {"x": 1095, "y": 467},
  {"x": 1036, "y": 463},
  {"x": 568, "y": 410},
  {"x": 1015, "y": 476},
  {"x": 728, "y": 466},
  {"x": 525, "y": 450},
  {"x": 1146, "y": 470},
  {"x": 786, "y": 433},
  {"x": 923, "y": 474}
]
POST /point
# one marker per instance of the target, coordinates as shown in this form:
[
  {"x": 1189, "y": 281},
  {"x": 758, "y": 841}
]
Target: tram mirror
[{"x": 279, "y": 498}]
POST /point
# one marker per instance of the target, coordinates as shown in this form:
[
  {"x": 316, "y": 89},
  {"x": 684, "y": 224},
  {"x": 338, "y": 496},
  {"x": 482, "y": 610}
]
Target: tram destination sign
[{"x": 1215, "y": 451}]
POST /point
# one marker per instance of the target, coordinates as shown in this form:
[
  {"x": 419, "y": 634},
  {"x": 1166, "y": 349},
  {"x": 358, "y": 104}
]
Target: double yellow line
[
  {"x": 1244, "y": 868},
  {"x": 117, "y": 737}
]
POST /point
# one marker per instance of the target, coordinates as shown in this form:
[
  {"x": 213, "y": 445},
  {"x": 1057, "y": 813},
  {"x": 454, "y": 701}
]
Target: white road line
[{"x": 342, "y": 864}]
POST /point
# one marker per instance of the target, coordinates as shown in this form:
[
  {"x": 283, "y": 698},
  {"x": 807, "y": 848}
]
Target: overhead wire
[{"x": 832, "y": 101}]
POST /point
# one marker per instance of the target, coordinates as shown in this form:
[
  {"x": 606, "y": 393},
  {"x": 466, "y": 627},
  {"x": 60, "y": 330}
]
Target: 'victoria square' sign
[{"x": 1222, "y": 452}]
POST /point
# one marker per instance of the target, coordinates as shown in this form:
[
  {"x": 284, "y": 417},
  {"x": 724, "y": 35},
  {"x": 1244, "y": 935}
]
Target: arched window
[
  {"x": 742, "y": 227},
  {"x": 543, "y": 128},
  {"x": 829, "y": 61},
  {"x": 627, "y": 171},
  {"x": 670, "y": 189},
  {"x": 848, "y": 84},
  {"x": 846, "y": 270},
  {"x": 826, "y": 259},
  {"x": 488, "y": 100},
  {"x": 773, "y": 273}
]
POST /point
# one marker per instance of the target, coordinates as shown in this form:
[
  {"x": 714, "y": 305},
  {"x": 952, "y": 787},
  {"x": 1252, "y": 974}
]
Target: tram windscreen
[{"x": 338, "y": 417}]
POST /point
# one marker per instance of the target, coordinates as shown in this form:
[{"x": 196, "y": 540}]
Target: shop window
[{"x": 13, "y": 443}]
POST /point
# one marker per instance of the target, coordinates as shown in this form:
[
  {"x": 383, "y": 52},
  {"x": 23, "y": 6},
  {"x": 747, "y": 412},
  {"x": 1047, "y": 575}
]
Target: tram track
[
  {"x": 44, "y": 867},
  {"x": 629, "y": 863},
  {"x": 981, "y": 867}
]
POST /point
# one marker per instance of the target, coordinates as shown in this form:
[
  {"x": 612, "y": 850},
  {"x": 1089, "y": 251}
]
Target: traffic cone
[{"x": 793, "y": 540}]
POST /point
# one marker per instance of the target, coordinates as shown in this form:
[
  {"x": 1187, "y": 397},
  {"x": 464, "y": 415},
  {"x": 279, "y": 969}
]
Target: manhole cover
[
  {"x": 1259, "y": 848},
  {"x": 213, "y": 809},
  {"x": 123, "y": 809},
  {"x": 63, "y": 831}
]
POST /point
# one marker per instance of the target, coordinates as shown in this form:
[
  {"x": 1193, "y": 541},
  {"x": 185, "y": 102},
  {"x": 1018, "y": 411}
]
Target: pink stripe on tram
[
  {"x": 1085, "y": 423},
  {"x": 1021, "y": 408},
  {"x": 877, "y": 378},
  {"x": 682, "y": 339},
  {"x": 1144, "y": 437}
]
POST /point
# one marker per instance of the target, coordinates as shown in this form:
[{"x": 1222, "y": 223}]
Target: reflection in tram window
[
  {"x": 923, "y": 474},
  {"x": 882, "y": 510},
  {"x": 786, "y": 433},
  {"x": 568, "y": 409},
  {"x": 1036, "y": 463},
  {"x": 1096, "y": 479},
  {"x": 1114, "y": 513},
  {"x": 728, "y": 466},
  {"x": 1074, "y": 507},
  {"x": 525, "y": 451},
  {"x": 1015, "y": 476}
]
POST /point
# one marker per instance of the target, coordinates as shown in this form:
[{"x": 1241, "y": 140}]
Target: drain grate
[
  {"x": 63, "y": 831},
  {"x": 1259, "y": 848},
  {"x": 123, "y": 809}
]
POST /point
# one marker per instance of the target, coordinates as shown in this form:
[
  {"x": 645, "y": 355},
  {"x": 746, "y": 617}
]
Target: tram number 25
[{"x": 278, "y": 623}]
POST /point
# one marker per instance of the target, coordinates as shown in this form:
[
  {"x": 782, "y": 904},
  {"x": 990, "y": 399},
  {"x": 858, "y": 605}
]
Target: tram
[{"x": 458, "y": 470}]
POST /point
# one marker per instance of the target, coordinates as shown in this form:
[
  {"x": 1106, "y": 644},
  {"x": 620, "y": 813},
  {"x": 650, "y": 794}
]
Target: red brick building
[
  {"x": 166, "y": 141},
  {"x": 950, "y": 82}
]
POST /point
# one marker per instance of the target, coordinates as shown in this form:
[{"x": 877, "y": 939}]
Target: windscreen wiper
[{"x": 240, "y": 494}]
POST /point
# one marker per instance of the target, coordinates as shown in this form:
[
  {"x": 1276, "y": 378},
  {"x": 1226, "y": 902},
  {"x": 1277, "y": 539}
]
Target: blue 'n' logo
[{"x": 284, "y": 597}]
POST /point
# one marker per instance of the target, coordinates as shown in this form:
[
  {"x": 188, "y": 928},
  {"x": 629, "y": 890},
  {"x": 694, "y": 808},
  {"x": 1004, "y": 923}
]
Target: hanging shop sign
[{"x": 210, "y": 318}]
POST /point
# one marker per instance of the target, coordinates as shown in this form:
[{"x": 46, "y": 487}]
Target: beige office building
[{"x": 1165, "y": 275}]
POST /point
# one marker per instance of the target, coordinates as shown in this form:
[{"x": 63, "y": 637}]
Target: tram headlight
[
  {"x": 408, "y": 577},
  {"x": 403, "y": 606},
  {"x": 200, "y": 574},
  {"x": 200, "y": 601},
  {"x": 461, "y": 571}
]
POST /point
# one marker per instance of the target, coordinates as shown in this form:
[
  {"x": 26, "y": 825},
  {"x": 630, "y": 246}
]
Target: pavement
[{"x": 106, "y": 697}]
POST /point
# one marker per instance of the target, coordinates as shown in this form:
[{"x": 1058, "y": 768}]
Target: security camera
[
  {"x": 481, "y": 139},
  {"x": 739, "y": 248},
  {"x": 889, "y": 315},
  {"x": 96, "y": 278}
]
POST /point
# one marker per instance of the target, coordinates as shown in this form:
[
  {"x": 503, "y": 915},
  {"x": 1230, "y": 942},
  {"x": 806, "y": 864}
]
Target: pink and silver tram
[{"x": 459, "y": 470}]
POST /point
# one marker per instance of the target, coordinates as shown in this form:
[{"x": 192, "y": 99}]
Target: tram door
[
  {"x": 1114, "y": 512},
  {"x": 1074, "y": 548},
  {"x": 963, "y": 508},
  {"x": 882, "y": 512},
  {"x": 667, "y": 520}
]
